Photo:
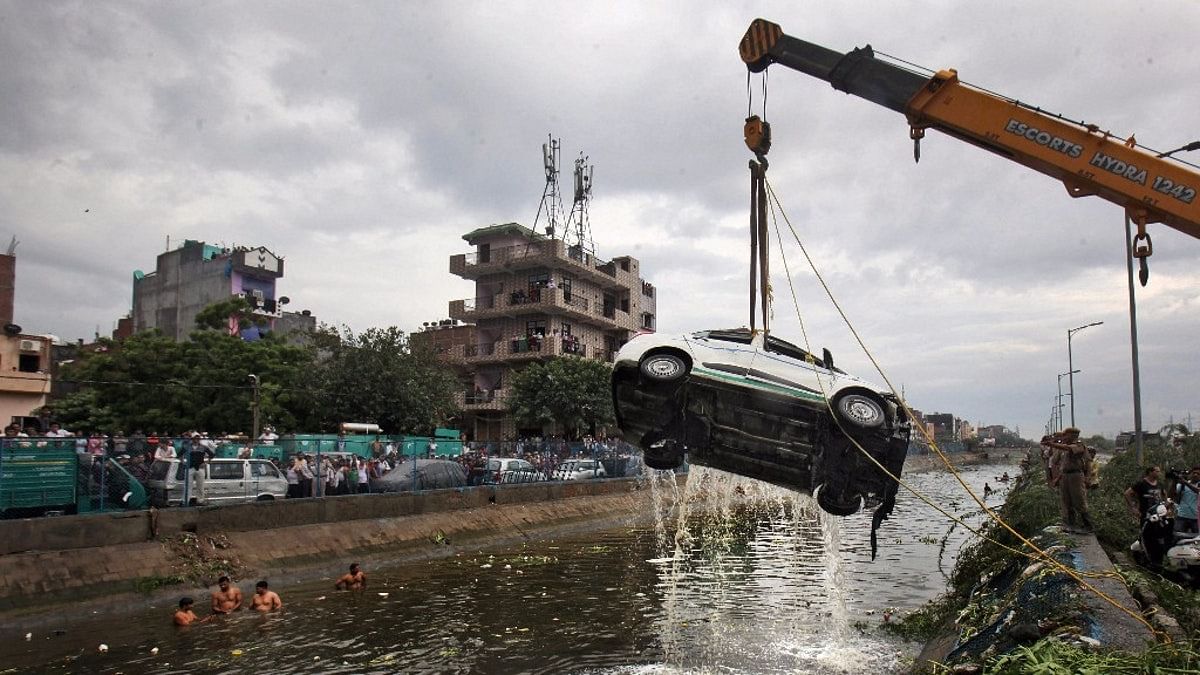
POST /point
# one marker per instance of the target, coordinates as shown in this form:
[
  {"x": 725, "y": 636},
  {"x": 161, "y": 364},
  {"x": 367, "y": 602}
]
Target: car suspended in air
[{"x": 752, "y": 404}]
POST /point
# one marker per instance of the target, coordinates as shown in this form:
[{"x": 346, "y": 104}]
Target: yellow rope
[{"x": 1079, "y": 577}]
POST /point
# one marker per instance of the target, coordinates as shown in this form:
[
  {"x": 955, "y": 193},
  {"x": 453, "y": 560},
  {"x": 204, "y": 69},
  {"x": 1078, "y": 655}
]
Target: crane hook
[
  {"x": 916, "y": 134},
  {"x": 1143, "y": 248}
]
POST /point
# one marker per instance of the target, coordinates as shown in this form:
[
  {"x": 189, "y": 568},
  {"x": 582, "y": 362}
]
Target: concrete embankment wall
[{"x": 46, "y": 561}]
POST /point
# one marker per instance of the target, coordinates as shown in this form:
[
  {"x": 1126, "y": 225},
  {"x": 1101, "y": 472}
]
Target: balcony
[
  {"x": 552, "y": 254},
  {"x": 478, "y": 399},
  {"x": 516, "y": 304}
]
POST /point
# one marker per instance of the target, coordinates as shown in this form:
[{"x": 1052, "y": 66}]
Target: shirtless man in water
[
  {"x": 184, "y": 616},
  {"x": 227, "y": 599},
  {"x": 356, "y": 580},
  {"x": 265, "y": 600}
]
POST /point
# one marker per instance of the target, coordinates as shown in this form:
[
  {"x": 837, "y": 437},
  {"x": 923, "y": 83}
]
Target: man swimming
[
  {"x": 227, "y": 599},
  {"x": 264, "y": 599},
  {"x": 356, "y": 580},
  {"x": 184, "y": 616}
]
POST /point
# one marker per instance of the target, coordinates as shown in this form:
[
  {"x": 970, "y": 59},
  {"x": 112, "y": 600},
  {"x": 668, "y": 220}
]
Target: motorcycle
[{"x": 1177, "y": 553}]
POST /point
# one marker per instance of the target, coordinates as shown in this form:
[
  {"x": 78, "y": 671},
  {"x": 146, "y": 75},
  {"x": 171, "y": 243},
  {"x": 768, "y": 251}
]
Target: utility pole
[
  {"x": 1137, "y": 378},
  {"x": 254, "y": 406}
]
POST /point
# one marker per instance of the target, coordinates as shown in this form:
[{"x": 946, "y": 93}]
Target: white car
[
  {"x": 756, "y": 405},
  {"x": 512, "y": 470},
  {"x": 227, "y": 481},
  {"x": 578, "y": 469}
]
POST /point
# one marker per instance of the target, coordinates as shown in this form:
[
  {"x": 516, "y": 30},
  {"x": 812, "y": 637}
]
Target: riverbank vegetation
[{"x": 989, "y": 577}]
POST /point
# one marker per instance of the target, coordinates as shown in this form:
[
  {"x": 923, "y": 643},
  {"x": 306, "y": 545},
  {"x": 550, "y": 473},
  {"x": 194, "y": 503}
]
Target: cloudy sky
[{"x": 360, "y": 140}]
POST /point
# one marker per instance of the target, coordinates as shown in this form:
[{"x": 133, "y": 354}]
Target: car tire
[
  {"x": 860, "y": 411},
  {"x": 266, "y": 498},
  {"x": 837, "y": 503},
  {"x": 663, "y": 367}
]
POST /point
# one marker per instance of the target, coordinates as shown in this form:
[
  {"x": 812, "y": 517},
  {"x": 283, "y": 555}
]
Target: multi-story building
[
  {"x": 536, "y": 298},
  {"x": 195, "y": 275},
  {"x": 24, "y": 358}
]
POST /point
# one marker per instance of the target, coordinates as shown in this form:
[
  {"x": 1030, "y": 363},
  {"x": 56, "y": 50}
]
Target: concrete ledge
[
  {"x": 293, "y": 540},
  {"x": 108, "y": 529}
]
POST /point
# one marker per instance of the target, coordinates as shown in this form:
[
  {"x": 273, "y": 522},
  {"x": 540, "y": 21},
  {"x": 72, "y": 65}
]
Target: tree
[
  {"x": 150, "y": 382},
  {"x": 378, "y": 377},
  {"x": 216, "y": 316},
  {"x": 571, "y": 392}
]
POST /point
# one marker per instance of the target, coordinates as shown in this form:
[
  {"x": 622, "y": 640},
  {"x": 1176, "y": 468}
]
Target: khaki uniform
[{"x": 1073, "y": 463}]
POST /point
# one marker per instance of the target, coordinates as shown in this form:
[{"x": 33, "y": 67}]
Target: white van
[
  {"x": 227, "y": 481},
  {"x": 578, "y": 469},
  {"x": 512, "y": 470}
]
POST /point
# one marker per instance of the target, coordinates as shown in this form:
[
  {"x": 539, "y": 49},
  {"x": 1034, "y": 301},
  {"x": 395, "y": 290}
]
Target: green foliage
[
  {"x": 378, "y": 377},
  {"x": 150, "y": 382},
  {"x": 1054, "y": 657},
  {"x": 570, "y": 392},
  {"x": 924, "y": 623},
  {"x": 1031, "y": 506},
  {"x": 216, "y": 316}
]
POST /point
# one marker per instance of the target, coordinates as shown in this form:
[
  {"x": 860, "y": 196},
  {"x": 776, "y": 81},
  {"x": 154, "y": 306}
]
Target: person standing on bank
[
  {"x": 1184, "y": 490},
  {"x": 1070, "y": 463},
  {"x": 198, "y": 456},
  {"x": 1143, "y": 498}
]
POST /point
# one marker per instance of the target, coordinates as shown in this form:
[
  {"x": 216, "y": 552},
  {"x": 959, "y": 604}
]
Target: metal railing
[{"x": 53, "y": 476}]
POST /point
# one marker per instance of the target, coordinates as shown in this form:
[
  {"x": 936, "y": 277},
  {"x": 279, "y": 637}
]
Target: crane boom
[{"x": 1088, "y": 161}]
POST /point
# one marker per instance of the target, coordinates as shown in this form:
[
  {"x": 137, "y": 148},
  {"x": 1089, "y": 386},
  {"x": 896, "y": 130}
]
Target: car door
[
  {"x": 784, "y": 368},
  {"x": 226, "y": 482},
  {"x": 724, "y": 355}
]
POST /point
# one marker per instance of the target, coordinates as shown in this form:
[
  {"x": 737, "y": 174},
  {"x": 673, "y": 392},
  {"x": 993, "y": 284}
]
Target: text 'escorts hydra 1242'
[{"x": 752, "y": 404}]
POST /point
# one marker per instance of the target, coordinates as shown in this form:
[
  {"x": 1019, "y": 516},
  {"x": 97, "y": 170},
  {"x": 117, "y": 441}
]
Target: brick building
[{"x": 535, "y": 298}]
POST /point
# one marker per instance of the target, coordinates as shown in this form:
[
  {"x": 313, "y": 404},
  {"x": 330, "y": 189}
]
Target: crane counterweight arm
[{"x": 1089, "y": 162}]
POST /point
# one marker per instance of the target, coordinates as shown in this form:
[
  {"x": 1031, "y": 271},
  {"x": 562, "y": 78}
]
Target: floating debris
[{"x": 103, "y": 648}]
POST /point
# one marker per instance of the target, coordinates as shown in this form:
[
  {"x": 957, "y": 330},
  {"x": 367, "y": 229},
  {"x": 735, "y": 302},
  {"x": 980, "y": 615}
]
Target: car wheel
[
  {"x": 266, "y": 498},
  {"x": 838, "y": 503},
  {"x": 663, "y": 367},
  {"x": 860, "y": 410}
]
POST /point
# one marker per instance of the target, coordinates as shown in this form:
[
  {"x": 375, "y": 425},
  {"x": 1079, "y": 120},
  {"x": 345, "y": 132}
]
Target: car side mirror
[{"x": 827, "y": 357}]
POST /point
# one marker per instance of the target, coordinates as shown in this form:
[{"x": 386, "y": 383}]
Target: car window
[
  {"x": 740, "y": 337},
  {"x": 263, "y": 470},
  {"x": 226, "y": 470},
  {"x": 785, "y": 348},
  {"x": 493, "y": 465}
]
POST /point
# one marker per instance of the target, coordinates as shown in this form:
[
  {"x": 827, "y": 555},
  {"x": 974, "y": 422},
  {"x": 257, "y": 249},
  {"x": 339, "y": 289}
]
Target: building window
[
  {"x": 29, "y": 363},
  {"x": 566, "y": 328},
  {"x": 566, "y": 288},
  {"x": 647, "y": 320},
  {"x": 535, "y": 327}
]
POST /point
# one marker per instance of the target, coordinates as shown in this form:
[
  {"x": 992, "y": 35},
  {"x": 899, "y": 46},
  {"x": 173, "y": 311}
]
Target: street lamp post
[
  {"x": 1071, "y": 365},
  {"x": 1060, "y": 395}
]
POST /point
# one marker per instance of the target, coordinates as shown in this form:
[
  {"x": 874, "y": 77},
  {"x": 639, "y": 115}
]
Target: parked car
[
  {"x": 577, "y": 469},
  {"x": 227, "y": 481},
  {"x": 512, "y": 470},
  {"x": 756, "y": 405}
]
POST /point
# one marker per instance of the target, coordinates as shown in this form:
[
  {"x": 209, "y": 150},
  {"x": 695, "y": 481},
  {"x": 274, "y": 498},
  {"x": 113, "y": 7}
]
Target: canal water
[{"x": 734, "y": 576}]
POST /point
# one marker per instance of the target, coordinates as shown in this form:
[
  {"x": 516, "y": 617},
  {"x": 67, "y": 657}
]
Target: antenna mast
[
  {"x": 579, "y": 226},
  {"x": 551, "y": 198}
]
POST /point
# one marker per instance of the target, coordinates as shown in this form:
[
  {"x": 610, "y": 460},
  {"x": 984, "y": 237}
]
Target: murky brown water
[{"x": 748, "y": 586}]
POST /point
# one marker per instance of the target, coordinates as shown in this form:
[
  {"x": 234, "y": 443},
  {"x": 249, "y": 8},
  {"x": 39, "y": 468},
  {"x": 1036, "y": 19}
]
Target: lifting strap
[{"x": 758, "y": 139}]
